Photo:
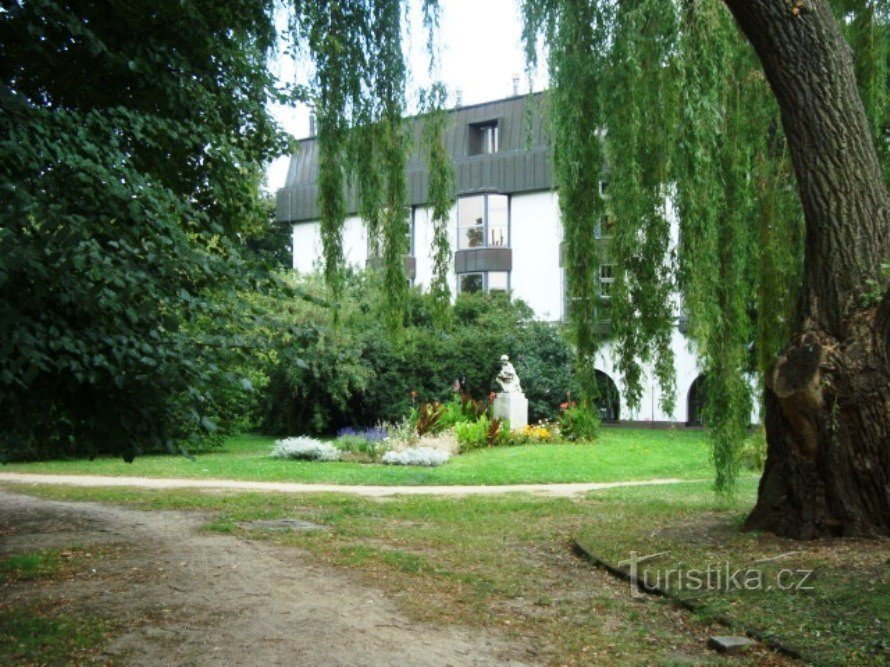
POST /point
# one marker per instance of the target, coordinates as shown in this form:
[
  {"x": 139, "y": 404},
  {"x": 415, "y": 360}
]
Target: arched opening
[
  {"x": 695, "y": 402},
  {"x": 608, "y": 401}
]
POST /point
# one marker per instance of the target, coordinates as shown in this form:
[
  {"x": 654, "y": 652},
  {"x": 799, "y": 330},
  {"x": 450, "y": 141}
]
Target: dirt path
[
  {"x": 552, "y": 490},
  {"x": 191, "y": 598}
]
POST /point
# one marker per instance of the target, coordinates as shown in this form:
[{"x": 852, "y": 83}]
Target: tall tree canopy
[
  {"x": 767, "y": 157},
  {"x": 133, "y": 138}
]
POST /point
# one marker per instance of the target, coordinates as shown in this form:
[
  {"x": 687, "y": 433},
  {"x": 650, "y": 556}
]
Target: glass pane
[
  {"x": 498, "y": 210},
  {"x": 471, "y": 282},
  {"x": 470, "y": 211},
  {"x": 498, "y": 281},
  {"x": 498, "y": 236},
  {"x": 471, "y": 238},
  {"x": 488, "y": 139}
]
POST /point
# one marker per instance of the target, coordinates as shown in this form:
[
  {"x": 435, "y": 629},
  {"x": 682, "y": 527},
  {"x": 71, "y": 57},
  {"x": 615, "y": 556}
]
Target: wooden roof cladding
[{"x": 521, "y": 163}]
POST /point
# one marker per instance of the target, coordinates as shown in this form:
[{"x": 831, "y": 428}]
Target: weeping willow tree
[
  {"x": 363, "y": 140},
  {"x": 765, "y": 156},
  {"x": 782, "y": 235}
]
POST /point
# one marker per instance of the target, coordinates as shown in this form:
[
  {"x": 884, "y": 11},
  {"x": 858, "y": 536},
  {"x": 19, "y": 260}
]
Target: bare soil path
[
  {"x": 190, "y": 598},
  {"x": 551, "y": 490}
]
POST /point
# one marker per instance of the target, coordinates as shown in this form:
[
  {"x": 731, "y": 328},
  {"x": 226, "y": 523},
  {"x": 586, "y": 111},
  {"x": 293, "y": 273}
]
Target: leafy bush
[
  {"x": 357, "y": 372},
  {"x": 483, "y": 432},
  {"x": 428, "y": 417},
  {"x": 358, "y": 443},
  {"x": 472, "y": 435},
  {"x": 303, "y": 448},
  {"x": 578, "y": 424},
  {"x": 416, "y": 456},
  {"x": 403, "y": 432}
]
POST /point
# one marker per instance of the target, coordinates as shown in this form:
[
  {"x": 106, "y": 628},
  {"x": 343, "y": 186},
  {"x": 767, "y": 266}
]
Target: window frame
[
  {"x": 485, "y": 222},
  {"x": 486, "y": 287},
  {"x": 484, "y": 137}
]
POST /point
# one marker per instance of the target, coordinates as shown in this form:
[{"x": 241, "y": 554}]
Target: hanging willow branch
[
  {"x": 577, "y": 31},
  {"x": 640, "y": 117},
  {"x": 441, "y": 198}
]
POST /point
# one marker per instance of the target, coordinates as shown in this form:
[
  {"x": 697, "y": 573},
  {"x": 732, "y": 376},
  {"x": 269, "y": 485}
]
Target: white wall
[
  {"x": 307, "y": 248},
  {"x": 686, "y": 370},
  {"x": 423, "y": 245},
  {"x": 535, "y": 235}
]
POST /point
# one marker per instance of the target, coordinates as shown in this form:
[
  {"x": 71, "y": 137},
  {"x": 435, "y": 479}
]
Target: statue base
[{"x": 512, "y": 406}]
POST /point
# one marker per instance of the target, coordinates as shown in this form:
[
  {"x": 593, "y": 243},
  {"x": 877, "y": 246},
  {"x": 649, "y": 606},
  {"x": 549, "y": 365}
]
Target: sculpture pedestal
[{"x": 512, "y": 406}]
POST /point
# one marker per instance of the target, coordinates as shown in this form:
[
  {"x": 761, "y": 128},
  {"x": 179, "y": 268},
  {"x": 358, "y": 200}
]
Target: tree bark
[{"x": 827, "y": 401}]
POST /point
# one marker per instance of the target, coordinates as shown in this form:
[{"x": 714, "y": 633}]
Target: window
[
  {"x": 483, "y": 221},
  {"x": 471, "y": 282},
  {"x": 607, "y": 277},
  {"x": 487, "y": 281},
  {"x": 498, "y": 281},
  {"x": 484, "y": 138}
]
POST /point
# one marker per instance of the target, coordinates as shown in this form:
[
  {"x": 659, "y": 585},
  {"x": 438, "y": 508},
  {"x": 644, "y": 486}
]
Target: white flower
[
  {"x": 308, "y": 449},
  {"x": 416, "y": 456}
]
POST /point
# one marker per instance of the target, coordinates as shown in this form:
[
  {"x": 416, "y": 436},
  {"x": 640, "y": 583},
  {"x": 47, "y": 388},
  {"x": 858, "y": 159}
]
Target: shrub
[
  {"x": 483, "y": 432},
  {"x": 357, "y": 443},
  {"x": 428, "y": 417},
  {"x": 578, "y": 424},
  {"x": 471, "y": 434},
  {"x": 416, "y": 456},
  {"x": 356, "y": 372},
  {"x": 403, "y": 432},
  {"x": 303, "y": 448}
]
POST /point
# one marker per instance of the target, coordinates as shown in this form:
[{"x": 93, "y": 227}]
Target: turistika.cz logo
[{"x": 716, "y": 577}]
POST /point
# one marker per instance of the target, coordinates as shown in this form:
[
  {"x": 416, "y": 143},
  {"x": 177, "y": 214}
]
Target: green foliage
[
  {"x": 578, "y": 423},
  {"x": 356, "y": 444},
  {"x": 866, "y": 26},
  {"x": 672, "y": 102},
  {"x": 122, "y": 189},
  {"x": 360, "y": 76},
  {"x": 576, "y": 32},
  {"x": 441, "y": 197},
  {"x": 752, "y": 455},
  {"x": 358, "y": 373},
  {"x": 429, "y": 416},
  {"x": 313, "y": 382},
  {"x": 483, "y": 432}
]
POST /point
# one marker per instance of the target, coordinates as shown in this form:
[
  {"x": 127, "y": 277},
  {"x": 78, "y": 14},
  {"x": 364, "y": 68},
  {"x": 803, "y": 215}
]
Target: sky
[{"x": 481, "y": 52}]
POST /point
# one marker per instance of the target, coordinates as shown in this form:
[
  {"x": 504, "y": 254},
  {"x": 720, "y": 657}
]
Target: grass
[
  {"x": 829, "y": 600},
  {"x": 506, "y": 563},
  {"x": 25, "y": 567},
  {"x": 618, "y": 455},
  {"x": 42, "y": 634}
]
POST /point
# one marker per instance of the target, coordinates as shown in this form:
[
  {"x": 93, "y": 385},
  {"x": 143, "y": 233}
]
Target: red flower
[{"x": 491, "y": 396}]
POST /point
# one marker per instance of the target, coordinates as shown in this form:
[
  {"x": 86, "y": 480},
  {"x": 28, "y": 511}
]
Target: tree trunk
[{"x": 828, "y": 395}]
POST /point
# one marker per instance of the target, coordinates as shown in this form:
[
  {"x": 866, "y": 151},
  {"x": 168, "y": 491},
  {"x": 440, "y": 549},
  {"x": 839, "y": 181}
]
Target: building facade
[{"x": 504, "y": 227}]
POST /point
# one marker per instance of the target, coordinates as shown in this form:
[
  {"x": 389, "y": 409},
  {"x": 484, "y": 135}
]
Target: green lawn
[
  {"x": 618, "y": 455},
  {"x": 506, "y": 563}
]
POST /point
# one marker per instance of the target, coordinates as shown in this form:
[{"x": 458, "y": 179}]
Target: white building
[{"x": 505, "y": 230}]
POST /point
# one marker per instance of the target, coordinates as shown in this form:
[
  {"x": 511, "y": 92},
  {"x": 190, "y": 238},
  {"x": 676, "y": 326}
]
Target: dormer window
[{"x": 484, "y": 138}]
